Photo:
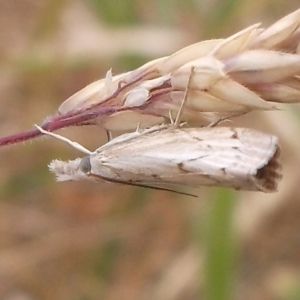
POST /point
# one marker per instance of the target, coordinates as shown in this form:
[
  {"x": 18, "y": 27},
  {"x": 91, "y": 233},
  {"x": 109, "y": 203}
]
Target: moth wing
[
  {"x": 233, "y": 157},
  {"x": 239, "y": 158}
]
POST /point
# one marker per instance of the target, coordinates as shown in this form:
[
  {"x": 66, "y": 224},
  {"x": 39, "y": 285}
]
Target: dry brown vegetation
[{"x": 84, "y": 241}]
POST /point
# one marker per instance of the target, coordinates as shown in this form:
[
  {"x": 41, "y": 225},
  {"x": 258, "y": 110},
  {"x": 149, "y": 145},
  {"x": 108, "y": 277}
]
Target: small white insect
[{"x": 164, "y": 156}]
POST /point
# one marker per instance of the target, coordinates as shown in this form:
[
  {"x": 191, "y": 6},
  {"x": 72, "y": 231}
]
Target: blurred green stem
[{"x": 220, "y": 247}]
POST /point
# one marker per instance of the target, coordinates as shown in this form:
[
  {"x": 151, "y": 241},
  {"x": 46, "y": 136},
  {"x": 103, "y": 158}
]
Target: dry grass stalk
[{"x": 247, "y": 71}]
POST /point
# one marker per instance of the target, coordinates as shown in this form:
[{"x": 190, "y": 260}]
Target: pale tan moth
[{"x": 161, "y": 156}]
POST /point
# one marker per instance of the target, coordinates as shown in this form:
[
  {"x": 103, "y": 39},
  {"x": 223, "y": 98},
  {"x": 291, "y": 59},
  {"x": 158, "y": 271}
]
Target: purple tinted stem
[
  {"x": 86, "y": 116},
  {"x": 58, "y": 122},
  {"x": 19, "y": 137}
]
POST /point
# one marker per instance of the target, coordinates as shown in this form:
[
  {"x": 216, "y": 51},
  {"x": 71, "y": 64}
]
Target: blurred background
[{"x": 83, "y": 241}]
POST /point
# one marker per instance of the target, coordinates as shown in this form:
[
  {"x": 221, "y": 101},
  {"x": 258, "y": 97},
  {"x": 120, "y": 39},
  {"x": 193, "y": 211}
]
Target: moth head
[
  {"x": 69, "y": 170},
  {"x": 85, "y": 164}
]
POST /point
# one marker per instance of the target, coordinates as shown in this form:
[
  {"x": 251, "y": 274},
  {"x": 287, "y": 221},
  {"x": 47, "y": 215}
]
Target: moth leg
[
  {"x": 215, "y": 123},
  {"x": 171, "y": 117},
  {"x": 138, "y": 128},
  {"x": 180, "y": 111},
  {"x": 64, "y": 139},
  {"x": 109, "y": 135}
]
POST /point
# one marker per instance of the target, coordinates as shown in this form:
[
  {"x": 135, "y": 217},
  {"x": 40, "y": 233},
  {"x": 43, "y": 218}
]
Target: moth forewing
[{"x": 232, "y": 157}]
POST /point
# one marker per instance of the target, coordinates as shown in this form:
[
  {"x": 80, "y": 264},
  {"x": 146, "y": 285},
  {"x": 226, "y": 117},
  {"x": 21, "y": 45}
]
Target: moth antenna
[
  {"x": 64, "y": 139},
  {"x": 180, "y": 111},
  {"x": 139, "y": 185}
]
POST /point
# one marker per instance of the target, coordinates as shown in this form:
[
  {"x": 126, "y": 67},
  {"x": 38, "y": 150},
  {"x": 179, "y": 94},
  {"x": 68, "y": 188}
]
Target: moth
[{"x": 165, "y": 156}]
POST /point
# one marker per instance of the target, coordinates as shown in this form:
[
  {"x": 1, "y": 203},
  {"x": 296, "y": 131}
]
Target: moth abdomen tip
[{"x": 270, "y": 174}]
